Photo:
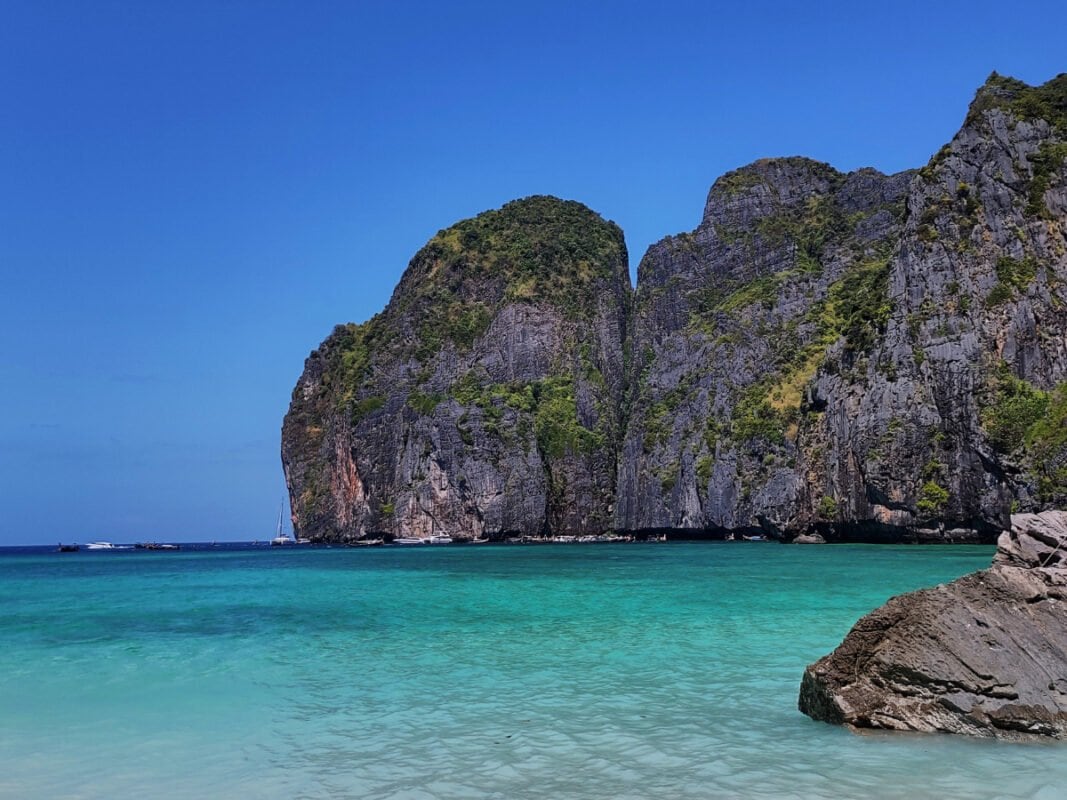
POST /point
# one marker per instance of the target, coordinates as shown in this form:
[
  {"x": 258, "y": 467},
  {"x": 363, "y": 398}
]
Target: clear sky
[{"x": 193, "y": 193}]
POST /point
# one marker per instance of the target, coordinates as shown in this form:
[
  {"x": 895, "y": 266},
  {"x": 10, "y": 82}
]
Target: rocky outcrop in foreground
[{"x": 985, "y": 655}]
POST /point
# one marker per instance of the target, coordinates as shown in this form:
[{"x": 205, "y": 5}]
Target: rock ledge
[{"x": 984, "y": 655}]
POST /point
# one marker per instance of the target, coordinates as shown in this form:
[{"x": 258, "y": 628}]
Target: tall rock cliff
[
  {"x": 484, "y": 399},
  {"x": 869, "y": 356},
  {"x": 733, "y": 323}
]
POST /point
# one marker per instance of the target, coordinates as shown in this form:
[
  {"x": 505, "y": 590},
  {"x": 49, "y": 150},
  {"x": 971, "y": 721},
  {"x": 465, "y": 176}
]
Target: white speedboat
[
  {"x": 100, "y": 546},
  {"x": 439, "y": 540},
  {"x": 409, "y": 540}
]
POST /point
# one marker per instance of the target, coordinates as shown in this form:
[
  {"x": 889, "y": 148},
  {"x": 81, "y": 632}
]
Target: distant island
[{"x": 861, "y": 356}]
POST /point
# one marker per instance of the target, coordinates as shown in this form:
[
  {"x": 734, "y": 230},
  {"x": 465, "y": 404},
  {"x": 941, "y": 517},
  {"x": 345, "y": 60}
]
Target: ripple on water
[{"x": 592, "y": 672}]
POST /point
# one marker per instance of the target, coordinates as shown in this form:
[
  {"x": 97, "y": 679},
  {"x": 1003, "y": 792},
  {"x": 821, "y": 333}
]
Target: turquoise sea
[{"x": 554, "y": 671}]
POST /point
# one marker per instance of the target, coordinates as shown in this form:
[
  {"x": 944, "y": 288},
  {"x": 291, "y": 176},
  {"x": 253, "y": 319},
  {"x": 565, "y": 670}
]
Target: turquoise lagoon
[{"x": 598, "y": 671}]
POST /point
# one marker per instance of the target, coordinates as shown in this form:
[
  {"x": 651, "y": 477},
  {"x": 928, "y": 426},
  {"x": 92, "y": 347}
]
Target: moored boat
[{"x": 280, "y": 539}]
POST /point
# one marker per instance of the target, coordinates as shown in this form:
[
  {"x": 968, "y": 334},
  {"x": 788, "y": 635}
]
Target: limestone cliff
[
  {"x": 484, "y": 399},
  {"x": 859, "y": 355},
  {"x": 870, "y": 356},
  {"x": 734, "y": 322}
]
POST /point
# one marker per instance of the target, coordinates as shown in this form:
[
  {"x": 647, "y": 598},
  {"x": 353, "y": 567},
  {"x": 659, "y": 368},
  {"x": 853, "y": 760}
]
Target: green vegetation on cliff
[
  {"x": 1048, "y": 162},
  {"x": 932, "y": 498},
  {"x": 1010, "y": 409},
  {"x": 448, "y": 321},
  {"x": 549, "y": 404},
  {"x": 810, "y": 227},
  {"x": 1030, "y": 424},
  {"x": 860, "y": 304},
  {"x": 1013, "y": 277},
  {"x": 760, "y": 172},
  {"x": 556, "y": 420},
  {"x": 1047, "y": 101},
  {"x": 857, "y": 309},
  {"x": 539, "y": 250},
  {"x": 355, "y": 345},
  {"x": 1047, "y": 445}
]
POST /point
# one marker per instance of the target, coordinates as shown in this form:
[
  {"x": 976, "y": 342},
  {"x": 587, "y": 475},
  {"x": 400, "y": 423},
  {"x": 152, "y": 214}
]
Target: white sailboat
[{"x": 281, "y": 539}]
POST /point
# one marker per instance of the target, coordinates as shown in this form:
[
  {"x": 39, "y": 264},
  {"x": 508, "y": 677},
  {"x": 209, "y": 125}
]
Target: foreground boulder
[{"x": 985, "y": 655}]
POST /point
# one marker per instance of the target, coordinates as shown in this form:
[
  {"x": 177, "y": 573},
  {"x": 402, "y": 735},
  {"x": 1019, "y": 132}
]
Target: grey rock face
[
  {"x": 1035, "y": 540},
  {"x": 732, "y": 324},
  {"x": 985, "y": 655},
  {"x": 484, "y": 400},
  {"x": 862, "y": 356},
  {"x": 851, "y": 354}
]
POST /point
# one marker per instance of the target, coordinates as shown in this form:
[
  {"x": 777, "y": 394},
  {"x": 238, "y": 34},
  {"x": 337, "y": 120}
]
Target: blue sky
[{"x": 193, "y": 194}]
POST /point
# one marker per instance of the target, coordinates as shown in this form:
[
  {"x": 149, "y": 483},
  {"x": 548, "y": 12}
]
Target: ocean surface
[{"x": 550, "y": 671}]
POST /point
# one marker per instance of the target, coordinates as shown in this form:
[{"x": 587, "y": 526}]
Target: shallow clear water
[{"x": 631, "y": 671}]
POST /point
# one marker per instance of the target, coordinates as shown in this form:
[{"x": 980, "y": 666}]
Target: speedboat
[
  {"x": 439, "y": 540},
  {"x": 409, "y": 540},
  {"x": 100, "y": 546}
]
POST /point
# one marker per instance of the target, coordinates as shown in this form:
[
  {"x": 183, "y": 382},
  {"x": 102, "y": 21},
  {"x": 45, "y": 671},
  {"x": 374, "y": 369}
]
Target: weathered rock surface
[
  {"x": 484, "y": 400},
  {"x": 862, "y": 356},
  {"x": 1035, "y": 540},
  {"x": 985, "y": 655},
  {"x": 873, "y": 357},
  {"x": 732, "y": 323}
]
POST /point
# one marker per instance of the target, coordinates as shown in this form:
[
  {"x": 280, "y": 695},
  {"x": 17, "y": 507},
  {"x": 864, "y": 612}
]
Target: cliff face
[
  {"x": 870, "y": 356},
  {"x": 865, "y": 355},
  {"x": 485, "y": 398},
  {"x": 733, "y": 323}
]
